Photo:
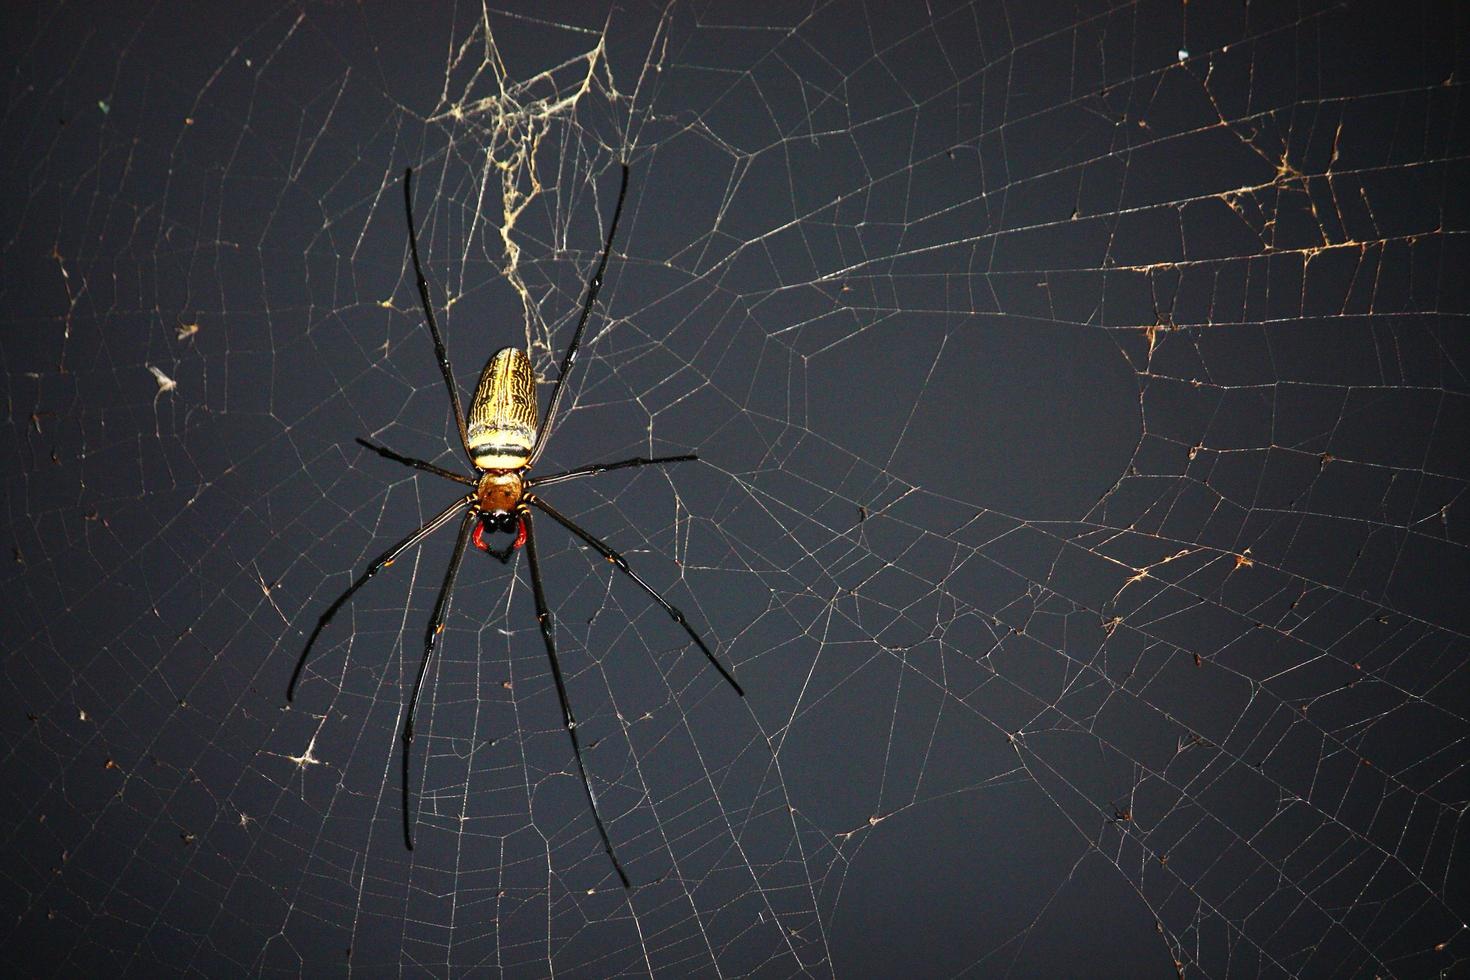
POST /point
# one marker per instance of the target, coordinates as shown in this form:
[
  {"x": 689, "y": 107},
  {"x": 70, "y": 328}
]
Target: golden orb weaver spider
[{"x": 503, "y": 442}]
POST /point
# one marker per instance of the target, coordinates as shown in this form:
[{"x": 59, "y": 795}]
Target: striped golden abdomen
[{"x": 501, "y": 429}]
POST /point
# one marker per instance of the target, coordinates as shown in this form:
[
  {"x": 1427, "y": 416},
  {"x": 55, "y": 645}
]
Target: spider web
[{"x": 1081, "y": 403}]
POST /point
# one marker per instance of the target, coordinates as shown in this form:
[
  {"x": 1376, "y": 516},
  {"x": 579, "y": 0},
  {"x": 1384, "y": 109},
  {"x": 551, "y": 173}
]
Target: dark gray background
[{"x": 1082, "y": 408}]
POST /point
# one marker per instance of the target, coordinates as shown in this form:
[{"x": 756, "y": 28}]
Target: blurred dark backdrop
[{"x": 1081, "y": 399}]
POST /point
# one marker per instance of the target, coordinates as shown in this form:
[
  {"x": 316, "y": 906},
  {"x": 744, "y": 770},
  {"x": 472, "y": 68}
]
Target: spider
[{"x": 503, "y": 441}]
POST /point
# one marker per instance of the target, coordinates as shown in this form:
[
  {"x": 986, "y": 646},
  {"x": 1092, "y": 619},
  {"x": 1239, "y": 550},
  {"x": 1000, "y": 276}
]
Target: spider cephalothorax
[
  {"x": 503, "y": 440},
  {"x": 499, "y": 500},
  {"x": 498, "y": 493}
]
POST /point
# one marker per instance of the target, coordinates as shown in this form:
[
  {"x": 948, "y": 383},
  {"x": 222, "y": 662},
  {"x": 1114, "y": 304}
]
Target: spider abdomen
[{"x": 501, "y": 428}]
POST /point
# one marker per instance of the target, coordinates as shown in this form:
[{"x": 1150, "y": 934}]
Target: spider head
[
  {"x": 499, "y": 522},
  {"x": 499, "y": 491},
  {"x": 498, "y": 498}
]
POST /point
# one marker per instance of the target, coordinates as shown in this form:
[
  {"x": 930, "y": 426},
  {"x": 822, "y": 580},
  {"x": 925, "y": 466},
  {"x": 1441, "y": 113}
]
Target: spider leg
[
  {"x": 543, "y": 617},
  {"x": 381, "y": 562},
  {"x": 618, "y": 560},
  {"x": 413, "y": 244},
  {"x": 417, "y": 464},
  {"x": 431, "y": 639},
  {"x": 593, "y": 286},
  {"x": 596, "y": 468}
]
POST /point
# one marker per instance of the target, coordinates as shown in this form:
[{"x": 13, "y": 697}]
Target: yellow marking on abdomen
[{"x": 501, "y": 429}]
